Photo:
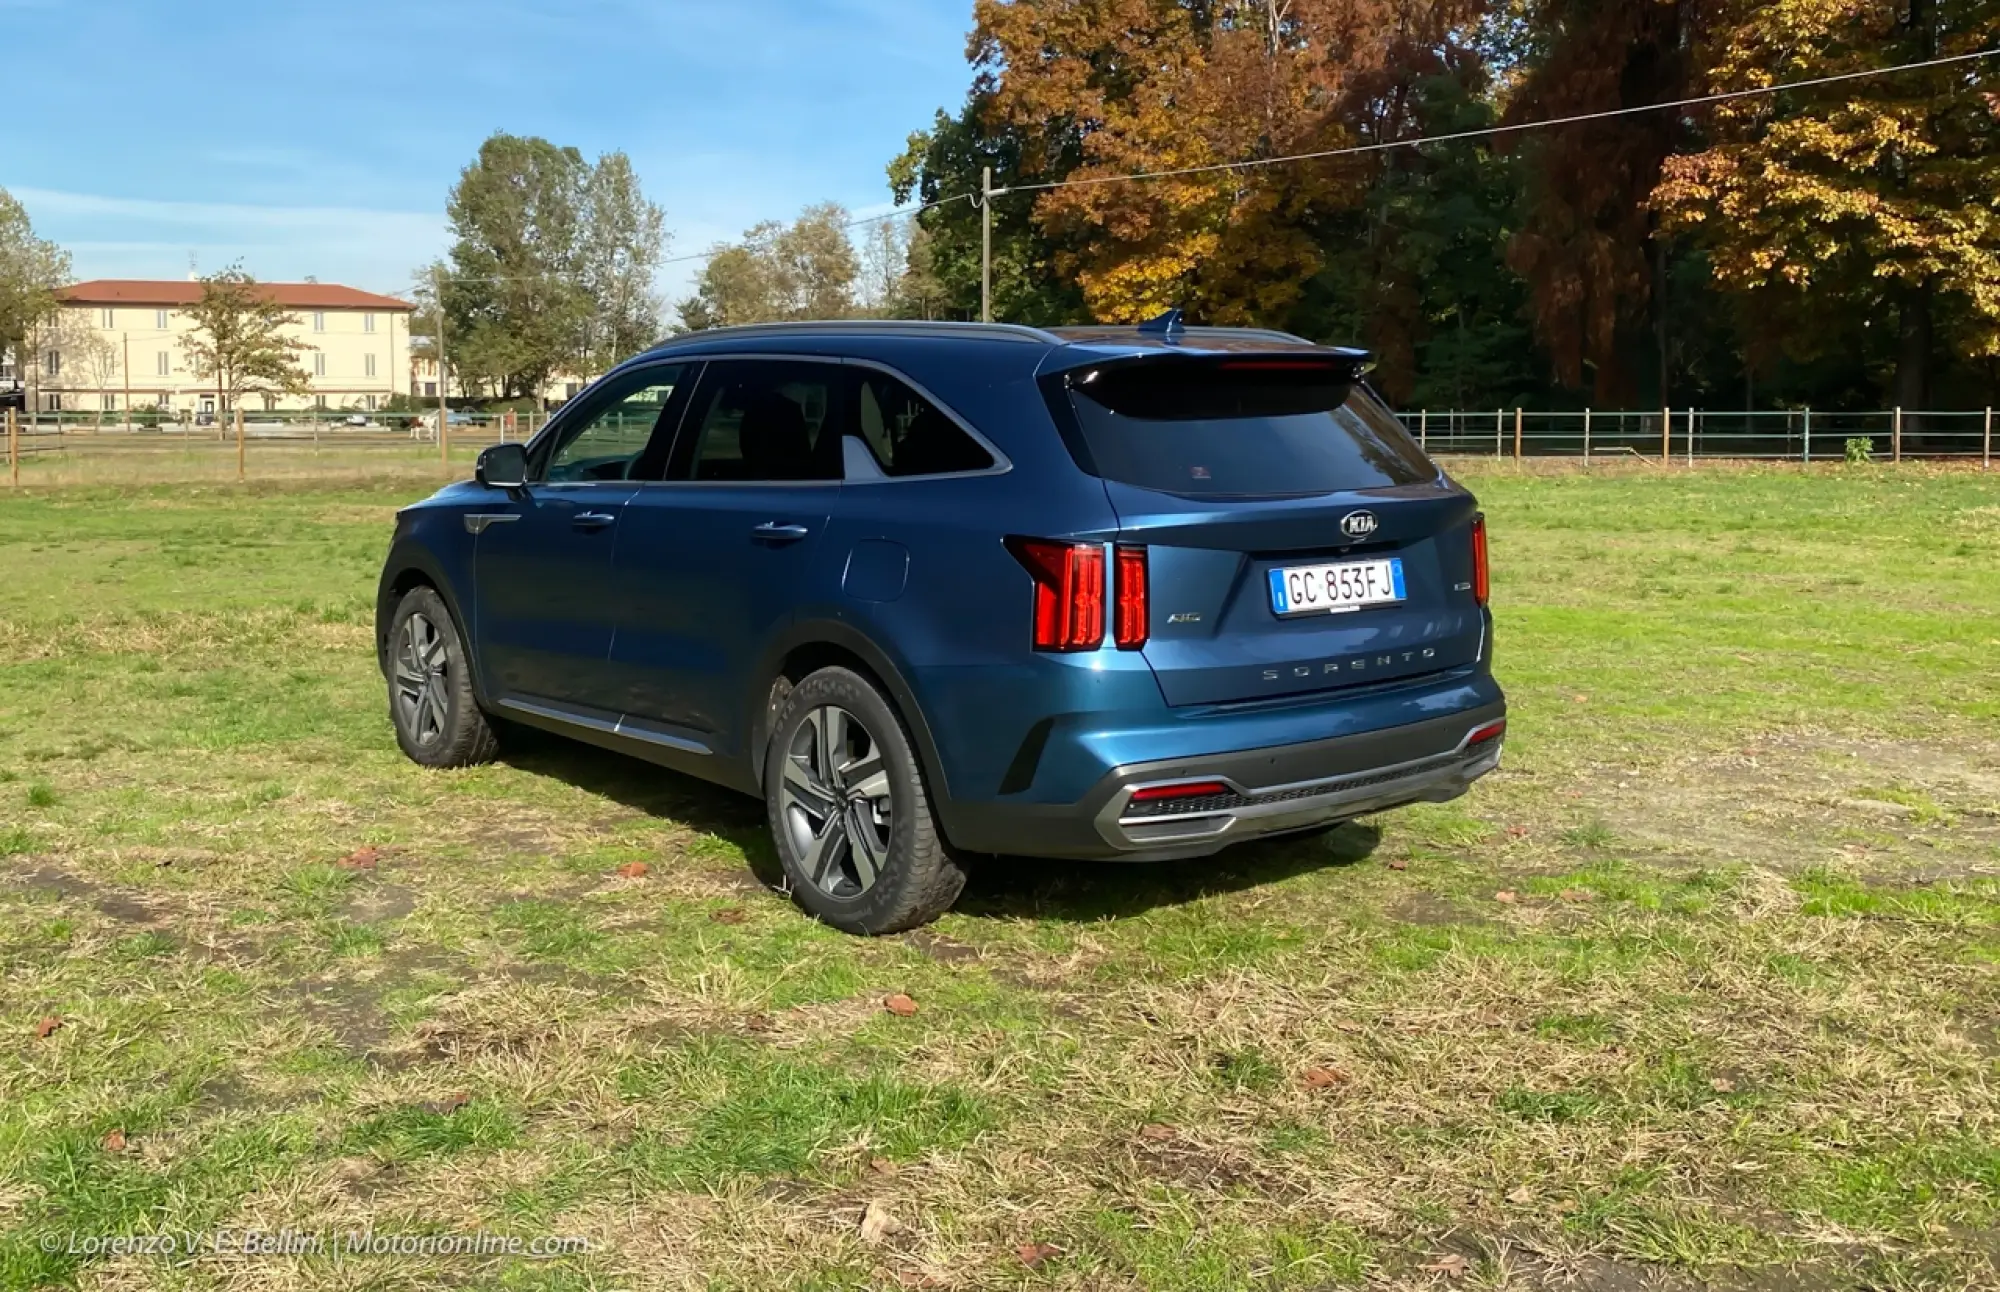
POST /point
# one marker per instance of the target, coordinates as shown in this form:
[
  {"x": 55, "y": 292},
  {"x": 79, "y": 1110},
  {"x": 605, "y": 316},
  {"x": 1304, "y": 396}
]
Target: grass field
[{"x": 1700, "y": 990}]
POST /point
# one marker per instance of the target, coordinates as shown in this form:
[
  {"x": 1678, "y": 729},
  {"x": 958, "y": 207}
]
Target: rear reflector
[
  {"x": 1481, "y": 580},
  {"x": 1069, "y": 592},
  {"x": 1133, "y": 618},
  {"x": 1185, "y": 790},
  {"x": 1487, "y": 734}
]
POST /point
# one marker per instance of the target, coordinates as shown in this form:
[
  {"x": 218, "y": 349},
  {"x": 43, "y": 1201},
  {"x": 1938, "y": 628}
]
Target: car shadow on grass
[
  {"x": 1003, "y": 888},
  {"x": 1044, "y": 888}
]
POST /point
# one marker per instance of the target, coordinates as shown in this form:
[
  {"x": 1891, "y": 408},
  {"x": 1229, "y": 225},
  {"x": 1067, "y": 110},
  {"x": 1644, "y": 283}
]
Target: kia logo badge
[{"x": 1359, "y": 524}]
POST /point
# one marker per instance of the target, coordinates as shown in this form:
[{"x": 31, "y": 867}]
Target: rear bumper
[{"x": 1267, "y": 791}]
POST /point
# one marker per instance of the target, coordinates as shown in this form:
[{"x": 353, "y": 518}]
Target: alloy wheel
[
  {"x": 835, "y": 798},
  {"x": 421, "y": 697}
]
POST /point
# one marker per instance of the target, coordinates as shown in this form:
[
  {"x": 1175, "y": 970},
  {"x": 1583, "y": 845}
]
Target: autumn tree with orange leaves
[
  {"x": 1881, "y": 194},
  {"x": 1165, "y": 85},
  {"x": 1833, "y": 248}
]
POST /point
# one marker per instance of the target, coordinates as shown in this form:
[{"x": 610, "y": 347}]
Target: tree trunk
[{"x": 1913, "y": 355}]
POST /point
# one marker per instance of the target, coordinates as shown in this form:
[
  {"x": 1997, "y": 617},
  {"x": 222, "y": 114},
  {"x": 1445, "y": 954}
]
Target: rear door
[{"x": 1297, "y": 541}]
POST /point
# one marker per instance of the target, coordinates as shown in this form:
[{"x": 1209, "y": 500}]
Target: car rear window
[{"x": 1244, "y": 428}]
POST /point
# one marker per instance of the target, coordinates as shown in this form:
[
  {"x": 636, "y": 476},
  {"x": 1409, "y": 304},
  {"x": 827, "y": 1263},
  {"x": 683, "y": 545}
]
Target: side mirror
[{"x": 502, "y": 466}]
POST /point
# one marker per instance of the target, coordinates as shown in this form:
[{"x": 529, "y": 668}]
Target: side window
[
  {"x": 755, "y": 420},
  {"x": 605, "y": 443},
  {"x": 909, "y": 435}
]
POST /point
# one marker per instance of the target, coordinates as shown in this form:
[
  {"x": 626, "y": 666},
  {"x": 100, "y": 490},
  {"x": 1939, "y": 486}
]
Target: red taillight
[
  {"x": 1487, "y": 734},
  {"x": 1185, "y": 790},
  {"x": 1069, "y": 592},
  {"x": 1481, "y": 583},
  {"x": 1134, "y": 618}
]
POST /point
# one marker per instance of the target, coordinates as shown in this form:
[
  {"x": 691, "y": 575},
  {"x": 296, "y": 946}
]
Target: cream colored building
[{"x": 117, "y": 345}]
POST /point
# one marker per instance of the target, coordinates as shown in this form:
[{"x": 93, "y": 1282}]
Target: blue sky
[{"x": 321, "y": 138}]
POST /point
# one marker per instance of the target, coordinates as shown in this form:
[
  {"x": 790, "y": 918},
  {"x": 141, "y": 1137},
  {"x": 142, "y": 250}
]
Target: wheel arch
[
  {"x": 808, "y": 647},
  {"x": 406, "y": 571}
]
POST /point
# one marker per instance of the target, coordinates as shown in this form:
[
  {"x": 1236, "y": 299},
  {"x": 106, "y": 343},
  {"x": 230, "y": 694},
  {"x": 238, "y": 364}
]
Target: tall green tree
[
  {"x": 513, "y": 298},
  {"x": 31, "y": 271},
  {"x": 624, "y": 237},
  {"x": 236, "y": 344},
  {"x": 551, "y": 265},
  {"x": 805, "y": 270}
]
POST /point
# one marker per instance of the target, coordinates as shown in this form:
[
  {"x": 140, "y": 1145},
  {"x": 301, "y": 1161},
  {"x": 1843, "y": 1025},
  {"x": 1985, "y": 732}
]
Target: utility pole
[
  {"x": 986, "y": 246},
  {"x": 444, "y": 414}
]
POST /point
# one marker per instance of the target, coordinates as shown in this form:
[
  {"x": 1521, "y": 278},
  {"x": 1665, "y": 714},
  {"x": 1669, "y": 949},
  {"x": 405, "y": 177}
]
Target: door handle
[
  {"x": 773, "y": 532},
  {"x": 593, "y": 519}
]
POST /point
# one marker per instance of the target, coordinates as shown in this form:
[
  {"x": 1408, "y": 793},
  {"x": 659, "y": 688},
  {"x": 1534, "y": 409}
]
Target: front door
[
  {"x": 544, "y": 602},
  {"x": 714, "y": 560}
]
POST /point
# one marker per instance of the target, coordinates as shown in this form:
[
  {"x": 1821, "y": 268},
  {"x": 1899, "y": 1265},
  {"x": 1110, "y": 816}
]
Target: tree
[
  {"x": 90, "y": 359},
  {"x": 237, "y": 343},
  {"x": 624, "y": 237},
  {"x": 1877, "y": 194},
  {"x": 551, "y": 265},
  {"x": 805, "y": 270},
  {"x": 514, "y": 302},
  {"x": 1586, "y": 246},
  {"x": 31, "y": 271}
]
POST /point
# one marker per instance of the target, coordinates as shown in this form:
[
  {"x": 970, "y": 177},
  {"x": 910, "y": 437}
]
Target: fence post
[
  {"x": 1666, "y": 437},
  {"x": 1499, "y": 429},
  {"x": 239, "y": 439},
  {"x": 14, "y": 446},
  {"x": 1586, "y": 435},
  {"x": 1517, "y": 435},
  {"x": 1691, "y": 425},
  {"x": 1809, "y": 437},
  {"x": 1423, "y": 429},
  {"x": 1986, "y": 454},
  {"x": 1896, "y": 439}
]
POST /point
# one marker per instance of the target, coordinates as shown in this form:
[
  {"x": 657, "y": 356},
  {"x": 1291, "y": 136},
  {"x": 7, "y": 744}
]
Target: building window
[
  {"x": 430, "y": 390},
  {"x": 370, "y": 364},
  {"x": 163, "y": 363},
  {"x": 270, "y": 403},
  {"x": 55, "y": 403},
  {"x": 160, "y": 320},
  {"x": 367, "y": 322},
  {"x": 110, "y": 319},
  {"x": 111, "y": 403},
  {"x": 370, "y": 402},
  {"x": 319, "y": 401},
  {"x": 52, "y": 363},
  {"x": 319, "y": 321},
  {"x": 319, "y": 363}
]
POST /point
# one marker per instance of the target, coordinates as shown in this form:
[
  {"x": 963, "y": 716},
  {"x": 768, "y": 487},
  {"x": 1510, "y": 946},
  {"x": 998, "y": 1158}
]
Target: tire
[
  {"x": 850, "y": 814},
  {"x": 431, "y": 705}
]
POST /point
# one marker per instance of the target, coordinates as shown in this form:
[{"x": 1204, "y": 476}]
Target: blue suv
[{"x": 940, "y": 590}]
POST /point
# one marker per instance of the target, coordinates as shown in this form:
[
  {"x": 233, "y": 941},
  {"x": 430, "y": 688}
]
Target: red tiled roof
[{"x": 293, "y": 296}]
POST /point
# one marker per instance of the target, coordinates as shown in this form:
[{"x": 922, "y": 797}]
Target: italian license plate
[{"x": 1336, "y": 589}]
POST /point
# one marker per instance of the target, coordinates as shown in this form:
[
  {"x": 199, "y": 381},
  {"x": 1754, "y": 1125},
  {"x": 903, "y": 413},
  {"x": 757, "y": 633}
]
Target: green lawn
[{"x": 1701, "y": 989}]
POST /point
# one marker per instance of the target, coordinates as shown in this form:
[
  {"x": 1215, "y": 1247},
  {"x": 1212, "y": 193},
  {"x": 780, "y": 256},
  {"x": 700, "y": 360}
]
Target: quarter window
[
  {"x": 763, "y": 421},
  {"x": 607, "y": 443},
  {"x": 909, "y": 436}
]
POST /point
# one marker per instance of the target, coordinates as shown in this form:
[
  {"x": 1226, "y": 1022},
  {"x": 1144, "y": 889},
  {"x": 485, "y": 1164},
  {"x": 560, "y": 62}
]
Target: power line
[
  {"x": 1489, "y": 131},
  {"x": 1484, "y": 132}
]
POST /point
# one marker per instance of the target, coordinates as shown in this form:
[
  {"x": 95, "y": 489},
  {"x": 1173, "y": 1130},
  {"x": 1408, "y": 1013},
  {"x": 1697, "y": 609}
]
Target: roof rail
[
  {"x": 1097, "y": 331},
  {"x": 876, "y": 327}
]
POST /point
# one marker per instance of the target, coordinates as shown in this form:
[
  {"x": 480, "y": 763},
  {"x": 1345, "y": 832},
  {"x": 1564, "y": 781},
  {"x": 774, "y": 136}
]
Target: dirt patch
[
  {"x": 936, "y": 946},
  {"x": 380, "y": 904},
  {"x": 1430, "y": 910}
]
